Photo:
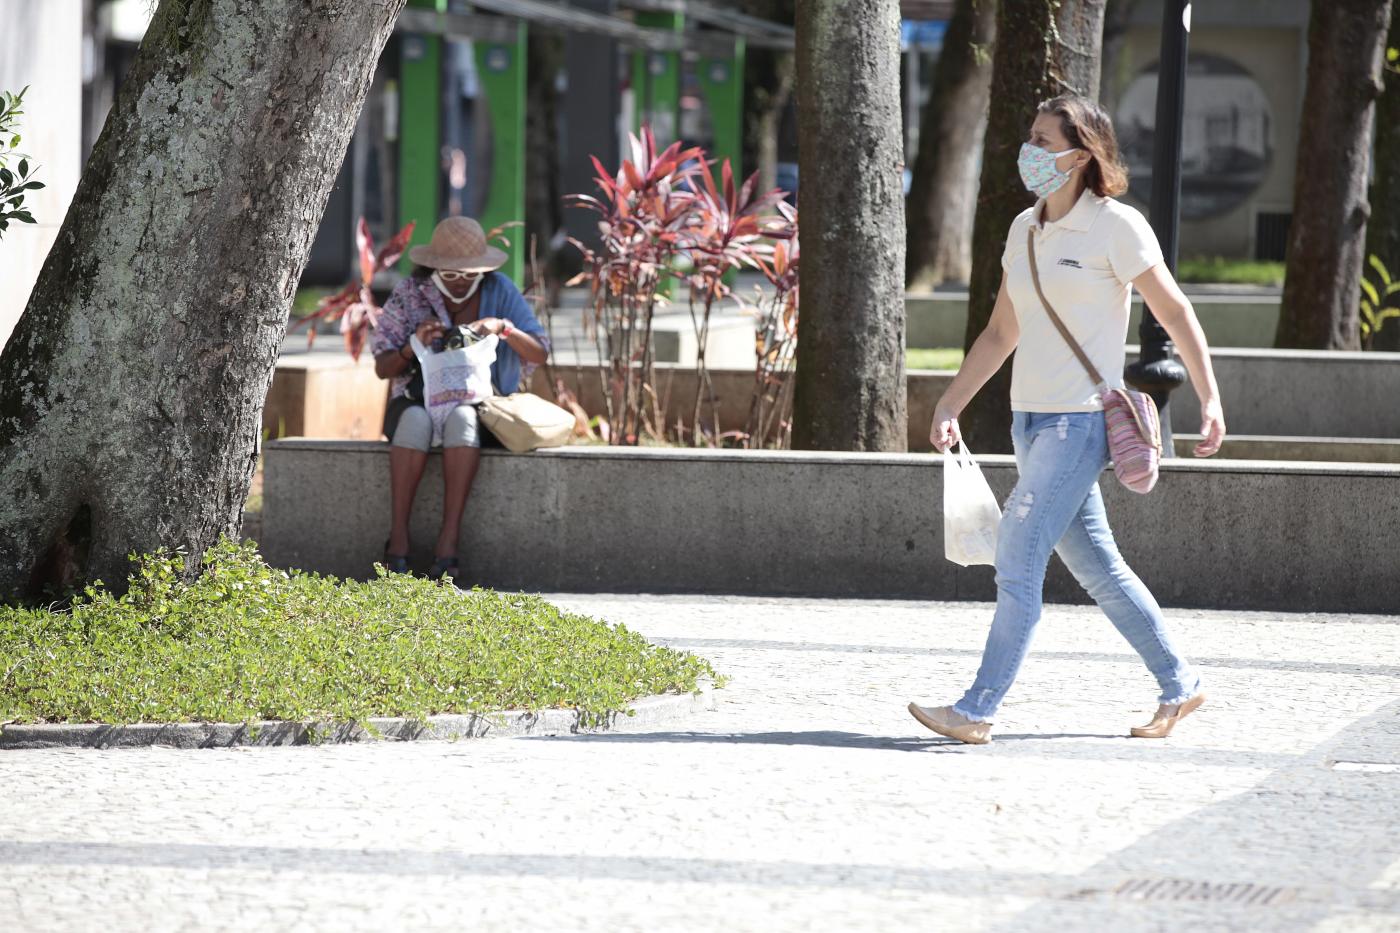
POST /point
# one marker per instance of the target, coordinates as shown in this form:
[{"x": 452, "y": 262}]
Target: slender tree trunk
[
  {"x": 1326, "y": 241},
  {"x": 850, "y": 368},
  {"x": 1116, "y": 19},
  {"x": 1383, "y": 229},
  {"x": 1043, "y": 48},
  {"x": 132, "y": 390},
  {"x": 943, "y": 194},
  {"x": 544, "y": 213},
  {"x": 768, "y": 77}
]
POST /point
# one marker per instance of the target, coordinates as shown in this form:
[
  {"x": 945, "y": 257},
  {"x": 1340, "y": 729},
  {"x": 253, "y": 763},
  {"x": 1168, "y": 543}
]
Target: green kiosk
[{"x": 658, "y": 34}]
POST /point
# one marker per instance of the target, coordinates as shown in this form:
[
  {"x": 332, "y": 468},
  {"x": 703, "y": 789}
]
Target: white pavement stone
[{"x": 808, "y": 800}]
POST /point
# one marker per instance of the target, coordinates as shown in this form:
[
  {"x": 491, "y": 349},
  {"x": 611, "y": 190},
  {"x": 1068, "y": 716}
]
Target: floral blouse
[{"x": 415, "y": 300}]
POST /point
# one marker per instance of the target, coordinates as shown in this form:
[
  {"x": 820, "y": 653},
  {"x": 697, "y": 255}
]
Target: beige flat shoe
[
  {"x": 945, "y": 721},
  {"x": 1167, "y": 717}
]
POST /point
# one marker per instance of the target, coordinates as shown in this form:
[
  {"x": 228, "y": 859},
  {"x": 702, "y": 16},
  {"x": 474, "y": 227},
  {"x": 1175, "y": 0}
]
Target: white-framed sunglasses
[{"x": 454, "y": 275}]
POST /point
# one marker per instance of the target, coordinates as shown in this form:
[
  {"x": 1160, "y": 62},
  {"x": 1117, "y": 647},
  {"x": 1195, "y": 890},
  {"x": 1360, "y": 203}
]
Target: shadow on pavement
[
  {"x": 1066, "y": 746},
  {"x": 819, "y": 738}
]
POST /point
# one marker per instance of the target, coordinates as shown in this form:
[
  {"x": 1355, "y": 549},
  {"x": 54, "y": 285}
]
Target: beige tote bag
[{"x": 524, "y": 421}]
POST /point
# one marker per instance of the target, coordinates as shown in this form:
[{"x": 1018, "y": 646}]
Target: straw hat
[{"x": 458, "y": 243}]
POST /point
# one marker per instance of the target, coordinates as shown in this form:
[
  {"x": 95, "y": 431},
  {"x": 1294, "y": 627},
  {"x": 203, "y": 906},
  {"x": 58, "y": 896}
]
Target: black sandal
[
  {"x": 395, "y": 563},
  {"x": 444, "y": 567}
]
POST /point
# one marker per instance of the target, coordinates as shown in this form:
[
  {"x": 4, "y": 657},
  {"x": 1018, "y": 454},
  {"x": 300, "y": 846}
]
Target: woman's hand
[
  {"x": 1212, "y": 428},
  {"x": 429, "y": 331},
  {"x": 488, "y": 325},
  {"x": 944, "y": 433}
]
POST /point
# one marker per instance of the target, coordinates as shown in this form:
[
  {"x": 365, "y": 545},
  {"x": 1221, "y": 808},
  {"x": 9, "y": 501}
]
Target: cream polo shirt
[{"x": 1088, "y": 260}]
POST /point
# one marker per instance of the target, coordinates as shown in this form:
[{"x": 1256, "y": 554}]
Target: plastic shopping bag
[
  {"x": 970, "y": 511},
  {"x": 454, "y": 377}
]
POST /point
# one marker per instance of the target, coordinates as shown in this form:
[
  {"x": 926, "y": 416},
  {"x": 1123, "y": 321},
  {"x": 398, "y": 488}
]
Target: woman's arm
[
  {"x": 391, "y": 363},
  {"x": 525, "y": 345},
  {"x": 1173, "y": 311},
  {"x": 989, "y": 351},
  {"x": 526, "y": 336}
]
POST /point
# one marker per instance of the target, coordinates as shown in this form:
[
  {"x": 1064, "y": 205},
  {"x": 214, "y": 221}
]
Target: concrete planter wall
[
  {"x": 1300, "y": 393},
  {"x": 939, "y": 319},
  {"x": 325, "y": 394},
  {"x": 1288, "y": 393},
  {"x": 1232, "y": 534}
]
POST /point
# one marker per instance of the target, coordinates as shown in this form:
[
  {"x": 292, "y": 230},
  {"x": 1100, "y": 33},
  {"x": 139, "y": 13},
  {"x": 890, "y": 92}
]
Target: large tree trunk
[
  {"x": 1328, "y": 236},
  {"x": 1039, "y": 53},
  {"x": 131, "y": 392},
  {"x": 850, "y": 390},
  {"x": 768, "y": 77},
  {"x": 944, "y": 190},
  {"x": 1383, "y": 229}
]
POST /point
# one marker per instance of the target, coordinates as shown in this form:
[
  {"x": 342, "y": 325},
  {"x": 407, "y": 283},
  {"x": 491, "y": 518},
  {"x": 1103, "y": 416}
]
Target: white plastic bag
[
  {"x": 970, "y": 511},
  {"x": 454, "y": 377}
]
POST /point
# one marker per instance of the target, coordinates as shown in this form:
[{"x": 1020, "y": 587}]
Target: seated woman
[{"x": 454, "y": 282}]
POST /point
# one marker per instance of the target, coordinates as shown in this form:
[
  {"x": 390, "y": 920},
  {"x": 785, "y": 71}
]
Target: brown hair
[{"x": 1087, "y": 127}]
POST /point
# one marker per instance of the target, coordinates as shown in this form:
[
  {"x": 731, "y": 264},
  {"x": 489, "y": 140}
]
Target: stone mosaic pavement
[{"x": 808, "y": 800}]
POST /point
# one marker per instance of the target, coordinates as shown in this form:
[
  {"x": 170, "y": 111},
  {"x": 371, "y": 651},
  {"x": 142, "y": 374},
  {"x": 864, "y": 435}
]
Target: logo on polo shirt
[{"x": 1072, "y": 263}]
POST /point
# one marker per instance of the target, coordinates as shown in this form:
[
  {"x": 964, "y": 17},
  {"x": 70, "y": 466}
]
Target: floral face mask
[{"x": 1038, "y": 171}]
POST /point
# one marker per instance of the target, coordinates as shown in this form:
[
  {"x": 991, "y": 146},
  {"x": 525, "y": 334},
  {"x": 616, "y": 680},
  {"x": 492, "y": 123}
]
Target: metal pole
[{"x": 1155, "y": 371}]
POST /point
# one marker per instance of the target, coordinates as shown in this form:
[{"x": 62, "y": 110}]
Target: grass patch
[
  {"x": 306, "y": 300},
  {"x": 246, "y": 642},
  {"x": 1216, "y": 270},
  {"x": 933, "y": 358}
]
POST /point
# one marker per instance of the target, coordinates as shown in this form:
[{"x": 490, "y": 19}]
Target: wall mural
[{"x": 1227, "y": 137}]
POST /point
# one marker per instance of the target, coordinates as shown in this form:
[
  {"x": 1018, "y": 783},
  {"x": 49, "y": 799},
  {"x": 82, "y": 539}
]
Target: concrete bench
[{"x": 1224, "y": 534}]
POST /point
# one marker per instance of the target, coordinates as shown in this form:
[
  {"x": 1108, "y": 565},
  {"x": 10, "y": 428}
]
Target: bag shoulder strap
[{"x": 1055, "y": 318}]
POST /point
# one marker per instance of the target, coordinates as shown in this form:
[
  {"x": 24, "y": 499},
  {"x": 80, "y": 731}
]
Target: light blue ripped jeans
[{"x": 1056, "y": 505}]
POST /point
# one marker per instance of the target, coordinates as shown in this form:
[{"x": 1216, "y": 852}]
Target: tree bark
[
  {"x": 1117, "y": 17},
  {"x": 944, "y": 188},
  {"x": 132, "y": 389},
  {"x": 1326, "y": 241},
  {"x": 1383, "y": 229},
  {"x": 544, "y": 212},
  {"x": 850, "y": 390},
  {"x": 768, "y": 77},
  {"x": 1043, "y": 48}
]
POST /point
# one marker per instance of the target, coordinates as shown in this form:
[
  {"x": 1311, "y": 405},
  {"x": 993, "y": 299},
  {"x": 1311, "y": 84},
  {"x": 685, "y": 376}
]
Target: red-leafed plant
[
  {"x": 730, "y": 232},
  {"x": 657, "y": 207},
  {"x": 770, "y": 412},
  {"x": 354, "y": 305},
  {"x": 645, "y": 210}
]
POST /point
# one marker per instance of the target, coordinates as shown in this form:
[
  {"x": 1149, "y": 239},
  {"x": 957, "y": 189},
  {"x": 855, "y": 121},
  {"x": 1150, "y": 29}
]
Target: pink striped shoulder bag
[{"x": 1134, "y": 431}]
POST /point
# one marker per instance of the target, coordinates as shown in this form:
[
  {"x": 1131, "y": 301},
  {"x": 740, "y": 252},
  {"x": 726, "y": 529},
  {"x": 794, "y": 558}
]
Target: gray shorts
[{"x": 406, "y": 424}]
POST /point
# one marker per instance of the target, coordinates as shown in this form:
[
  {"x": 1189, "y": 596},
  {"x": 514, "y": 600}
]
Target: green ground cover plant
[
  {"x": 307, "y": 300},
  {"x": 246, "y": 642},
  {"x": 1218, "y": 270},
  {"x": 933, "y": 357}
]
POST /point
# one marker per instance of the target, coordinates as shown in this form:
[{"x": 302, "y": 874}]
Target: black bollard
[{"x": 1156, "y": 372}]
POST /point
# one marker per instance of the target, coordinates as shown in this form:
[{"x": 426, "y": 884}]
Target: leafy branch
[
  {"x": 1376, "y": 301},
  {"x": 14, "y": 184}
]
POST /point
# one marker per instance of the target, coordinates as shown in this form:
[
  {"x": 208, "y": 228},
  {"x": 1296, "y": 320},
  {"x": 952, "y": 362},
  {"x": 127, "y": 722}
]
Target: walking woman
[{"x": 1091, "y": 251}]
